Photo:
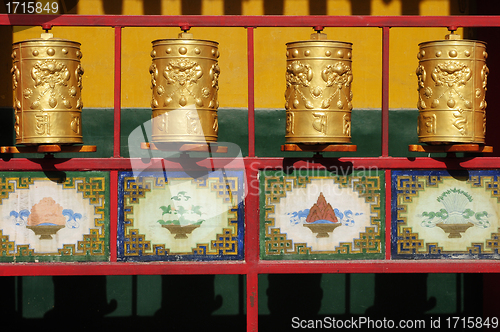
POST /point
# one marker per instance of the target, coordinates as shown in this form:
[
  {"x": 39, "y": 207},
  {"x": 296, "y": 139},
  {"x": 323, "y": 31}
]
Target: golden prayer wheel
[
  {"x": 184, "y": 82},
  {"x": 47, "y": 83},
  {"x": 318, "y": 91},
  {"x": 452, "y": 76}
]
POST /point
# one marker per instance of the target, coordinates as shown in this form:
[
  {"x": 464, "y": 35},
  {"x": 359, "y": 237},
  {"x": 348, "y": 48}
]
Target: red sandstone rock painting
[{"x": 321, "y": 218}]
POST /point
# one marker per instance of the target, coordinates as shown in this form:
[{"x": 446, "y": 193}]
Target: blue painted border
[
  {"x": 178, "y": 257},
  {"x": 394, "y": 209}
]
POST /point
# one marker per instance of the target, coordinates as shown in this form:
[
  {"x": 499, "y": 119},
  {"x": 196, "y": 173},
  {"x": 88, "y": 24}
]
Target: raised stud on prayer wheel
[
  {"x": 47, "y": 83},
  {"x": 318, "y": 97},
  {"x": 452, "y": 76},
  {"x": 184, "y": 83}
]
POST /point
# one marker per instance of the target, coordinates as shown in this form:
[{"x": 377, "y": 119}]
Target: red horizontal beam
[
  {"x": 249, "y": 21},
  {"x": 112, "y": 268},
  {"x": 262, "y": 267},
  {"x": 344, "y": 163},
  {"x": 393, "y": 266}
]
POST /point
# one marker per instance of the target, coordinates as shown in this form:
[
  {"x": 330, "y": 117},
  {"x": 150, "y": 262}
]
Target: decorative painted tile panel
[
  {"x": 60, "y": 216},
  {"x": 445, "y": 214},
  {"x": 320, "y": 215},
  {"x": 179, "y": 216}
]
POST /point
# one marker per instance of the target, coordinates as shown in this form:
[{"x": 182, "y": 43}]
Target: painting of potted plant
[
  {"x": 181, "y": 217},
  {"x": 455, "y": 218}
]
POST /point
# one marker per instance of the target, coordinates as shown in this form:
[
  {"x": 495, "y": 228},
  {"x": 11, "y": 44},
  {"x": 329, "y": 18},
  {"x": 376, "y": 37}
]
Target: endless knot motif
[
  {"x": 136, "y": 244},
  {"x": 369, "y": 241},
  {"x": 277, "y": 187},
  {"x": 226, "y": 243},
  {"x": 367, "y": 187},
  {"x": 224, "y": 188},
  {"x": 277, "y": 243},
  {"x": 9, "y": 185},
  {"x": 490, "y": 183},
  {"x": 136, "y": 188},
  {"x": 494, "y": 242},
  {"x": 408, "y": 242},
  {"x": 6, "y": 246},
  {"x": 92, "y": 188}
]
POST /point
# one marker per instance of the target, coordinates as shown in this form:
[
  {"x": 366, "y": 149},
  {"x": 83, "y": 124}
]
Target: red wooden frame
[{"x": 252, "y": 266}]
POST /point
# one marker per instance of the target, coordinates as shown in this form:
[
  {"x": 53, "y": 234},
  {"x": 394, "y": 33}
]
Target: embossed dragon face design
[
  {"x": 298, "y": 73},
  {"x": 50, "y": 72},
  {"x": 451, "y": 73},
  {"x": 47, "y": 75},
  {"x": 183, "y": 72},
  {"x": 338, "y": 74}
]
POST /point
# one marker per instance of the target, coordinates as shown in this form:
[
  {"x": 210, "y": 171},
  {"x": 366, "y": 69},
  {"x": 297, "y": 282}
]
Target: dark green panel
[
  {"x": 270, "y": 134},
  {"x": 402, "y": 132},
  {"x": 37, "y": 297},
  {"x": 233, "y": 128},
  {"x": 131, "y": 120}
]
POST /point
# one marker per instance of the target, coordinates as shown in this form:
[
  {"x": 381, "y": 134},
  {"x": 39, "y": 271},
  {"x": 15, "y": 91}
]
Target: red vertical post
[
  {"x": 252, "y": 200},
  {"x": 252, "y": 302},
  {"x": 388, "y": 219},
  {"x": 117, "y": 92},
  {"x": 113, "y": 214},
  {"x": 385, "y": 91},
  {"x": 252, "y": 245},
  {"x": 385, "y": 137},
  {"x": 251, "y": 93}
]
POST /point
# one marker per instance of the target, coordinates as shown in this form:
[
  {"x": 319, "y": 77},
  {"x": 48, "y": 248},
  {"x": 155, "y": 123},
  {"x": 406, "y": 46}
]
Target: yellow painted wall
[{"x": 270, "y": 49}]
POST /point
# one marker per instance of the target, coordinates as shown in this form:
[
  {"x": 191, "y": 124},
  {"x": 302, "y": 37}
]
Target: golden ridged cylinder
[
  {"x": 318, "y": 97},
  {"x": 47, "y": 83},
  {"x": 184, "y": 82},
  {"x": 452, "y": 76}
]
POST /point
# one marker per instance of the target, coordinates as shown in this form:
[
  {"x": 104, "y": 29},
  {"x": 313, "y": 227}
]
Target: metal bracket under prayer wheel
[{"x": 181, "y": 147}]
